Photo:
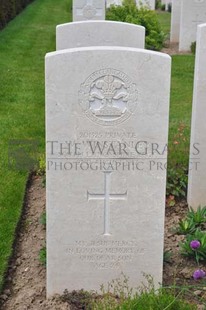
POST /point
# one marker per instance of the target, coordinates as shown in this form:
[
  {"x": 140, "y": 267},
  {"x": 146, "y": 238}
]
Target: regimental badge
[{"x": 108, "y": 97}]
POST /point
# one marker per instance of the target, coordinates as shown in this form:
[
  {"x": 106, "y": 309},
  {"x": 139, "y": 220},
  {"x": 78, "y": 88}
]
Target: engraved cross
[{"x": 107, "y": 196}]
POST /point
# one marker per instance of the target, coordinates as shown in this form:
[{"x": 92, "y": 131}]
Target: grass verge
[{"x": 24, "y": 43}]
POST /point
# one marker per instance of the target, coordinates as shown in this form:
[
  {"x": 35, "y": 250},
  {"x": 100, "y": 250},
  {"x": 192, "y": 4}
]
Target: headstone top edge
[
  {"x": 99, "y": 22},
  {"x": 108, "y": 48},
  {"x": 201, "y": 26}
]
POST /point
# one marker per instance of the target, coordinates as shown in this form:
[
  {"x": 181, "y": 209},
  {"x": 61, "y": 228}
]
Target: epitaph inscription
[
  {"x": 106, "y": 254},
  {"x": 108, "y": 97}
]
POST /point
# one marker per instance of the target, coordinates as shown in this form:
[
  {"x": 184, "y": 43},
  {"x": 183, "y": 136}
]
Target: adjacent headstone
[
  {"x": 99, "y": 33},
  {"x": 88, "y": 10},
  {"x": 107, "y": 127},
  {"x": 147, "y": 3},
  {"x": 197, "y": 171},
  {"x": 193, "y": 13},
  {"x": 175, "y": 21}
]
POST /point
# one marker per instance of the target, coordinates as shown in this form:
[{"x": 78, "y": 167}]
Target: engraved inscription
[
  {"x": 106, "y": 196},
  {"x": 106, "y": 255},
  {"x": 108, "y": 97}
]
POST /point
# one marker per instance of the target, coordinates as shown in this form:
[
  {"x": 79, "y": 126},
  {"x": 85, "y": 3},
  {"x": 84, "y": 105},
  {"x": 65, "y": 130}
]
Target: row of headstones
[
  {"x": 186, "y": 16},
  {"x": 95, "y": 9},
  {"x": 107, "y": 106}
]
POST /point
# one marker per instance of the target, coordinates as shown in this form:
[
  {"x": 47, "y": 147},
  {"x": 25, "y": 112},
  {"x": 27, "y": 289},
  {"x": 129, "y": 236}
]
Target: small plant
[
  {"x": 158, "y": 4},
  {"x": 42, "y": 256},
  {"x": 193, "y": 48},
  {"x": 42, "y": 219},
  {"x": 42, "y": 166},
  {"x": 195, "y": 246},
  {"x": 176, "y": 182},
  {"x": 198, "y": 217},
  {"x": 186, "y": 226},
  {"x": 167, "y": 256}
]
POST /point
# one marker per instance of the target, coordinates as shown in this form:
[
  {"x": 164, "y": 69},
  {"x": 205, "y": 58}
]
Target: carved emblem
[
  {"x": 89, "y": 11},
  {"x": 108, "y": 97}
]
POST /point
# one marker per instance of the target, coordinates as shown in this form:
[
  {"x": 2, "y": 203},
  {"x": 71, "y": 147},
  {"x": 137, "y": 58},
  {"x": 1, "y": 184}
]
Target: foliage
[
  {"x": 42, "y": 256},
  {"x": 198, "y": 217},
  {"x": 167, "y": 256},
  {"x": 118, "y": 296},
  {"x": 10, "y": 8},
  {"x": 41, "y": 170},
  {"x": 177, "y": 172},
  {"x": 43, "y": 219},
  {"x": 199, "y": 253},
  {"x": 176, "y": 182},
  {"x": 163, "y": 7},
  {"x": 194, "y": 219},
  {"x": 158, "y": 4},
  {"x": 186, "y": 226},
  {"x": 130, "y": 13},
  {"x": 193, "y": 48}
]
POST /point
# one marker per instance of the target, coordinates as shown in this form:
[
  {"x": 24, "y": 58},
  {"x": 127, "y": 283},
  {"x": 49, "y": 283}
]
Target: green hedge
[{"x": 10, "y": 8}]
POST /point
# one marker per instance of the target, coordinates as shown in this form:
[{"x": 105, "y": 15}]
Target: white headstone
[
  {"x": 175, "y": 21},
  {"x": 88, "y": 10},
  {"x": 107, "y": 112},
  {"x": 99, "y": 33},
  {"x": 197, "y": 172},
  {"x": 148, "y": 3},
  {"x": 193, "y": 13}
]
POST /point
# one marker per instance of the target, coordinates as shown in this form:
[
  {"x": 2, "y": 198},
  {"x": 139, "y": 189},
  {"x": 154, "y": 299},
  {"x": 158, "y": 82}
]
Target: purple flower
[
  {"x": 195, "y": 244},
  {"x": 198, "y": 274}
]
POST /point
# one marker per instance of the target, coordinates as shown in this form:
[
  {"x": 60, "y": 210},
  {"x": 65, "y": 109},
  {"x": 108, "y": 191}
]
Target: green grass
[
  {"x": 24, "y": 43},
  {"x": 164, "y": 19}
]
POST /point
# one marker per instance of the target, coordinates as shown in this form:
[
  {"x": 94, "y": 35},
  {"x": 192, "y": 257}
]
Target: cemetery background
[{"x": 22, "y": 115}]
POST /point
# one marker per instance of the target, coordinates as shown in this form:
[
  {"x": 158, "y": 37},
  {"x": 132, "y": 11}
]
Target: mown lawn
[
  {"x": 164, "y": 18},
  {"x": 23, "y": 45}
]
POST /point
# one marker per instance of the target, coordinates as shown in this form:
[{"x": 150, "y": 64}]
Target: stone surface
[
  {"x": 99, "y": 33},
  {"x": 193, "y": 13},
  {"x": 149, "y": 3},
  {"x": 107, "y": 127},
  {"x": 175, "y": 21},
  {"x": 88, "y": 10},
  {"x": 197, "y": 173}
]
